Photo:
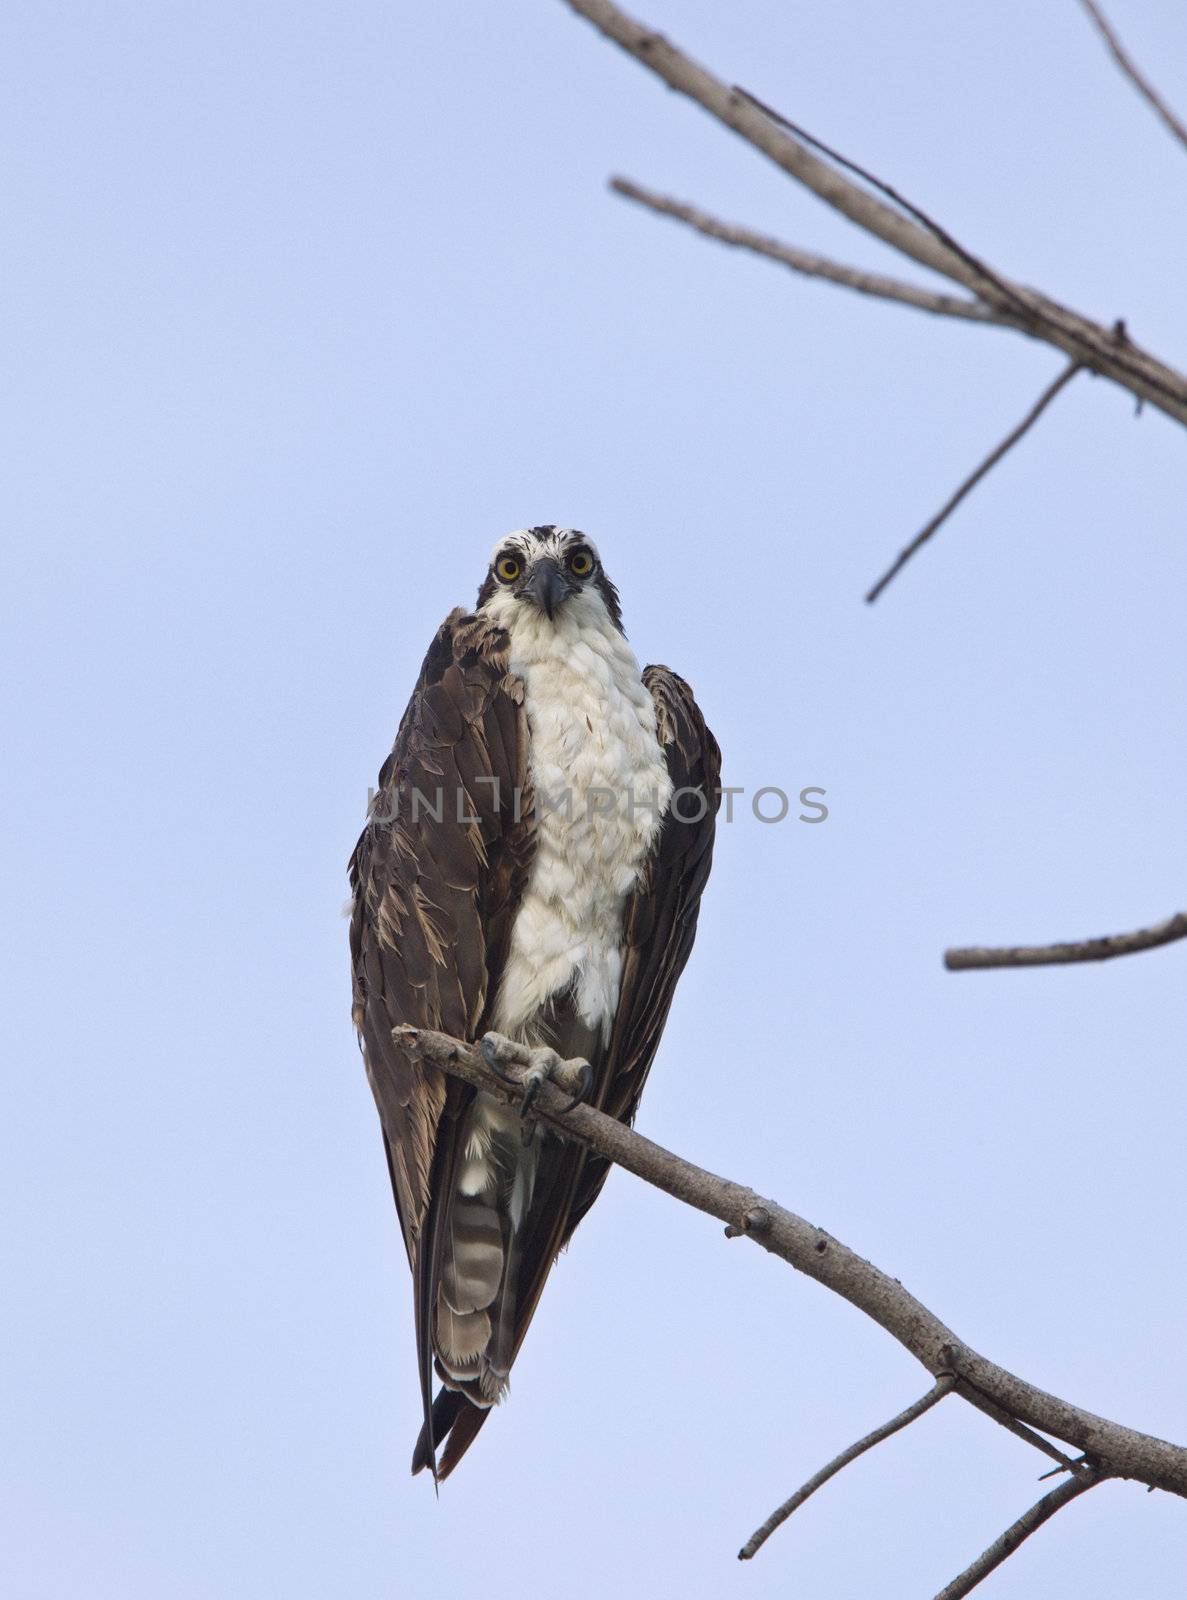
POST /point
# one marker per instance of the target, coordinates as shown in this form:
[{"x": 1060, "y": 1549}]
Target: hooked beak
[{"x": 546, "y": 587}]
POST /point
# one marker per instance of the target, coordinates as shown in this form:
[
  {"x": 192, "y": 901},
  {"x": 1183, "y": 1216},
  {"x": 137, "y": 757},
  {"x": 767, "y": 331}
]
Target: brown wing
[{"x": 436, "y": 878}]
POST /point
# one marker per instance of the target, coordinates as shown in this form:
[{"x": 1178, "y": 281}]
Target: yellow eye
[
  {"x": 508, "y": 568},
  {"x": 581, "y": 564}
]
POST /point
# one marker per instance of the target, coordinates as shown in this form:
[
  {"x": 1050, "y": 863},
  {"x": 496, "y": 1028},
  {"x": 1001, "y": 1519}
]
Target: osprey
[{"x": 529, "y": 876}]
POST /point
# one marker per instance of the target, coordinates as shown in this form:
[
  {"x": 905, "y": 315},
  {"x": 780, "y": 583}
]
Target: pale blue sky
[{"x": 305, "y": 306}]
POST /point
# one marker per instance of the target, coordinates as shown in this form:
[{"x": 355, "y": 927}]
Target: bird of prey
[{"x": 529, "y": 876}]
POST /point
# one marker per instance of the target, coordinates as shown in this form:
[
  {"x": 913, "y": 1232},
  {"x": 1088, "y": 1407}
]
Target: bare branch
[
  {"x": 1128, "y": 66},
  {"x": 1120, "y": 1451},
  {"x": 1104, "y": 350},
  {"x": 1033, "y": 313},
  {"x": 984, "y": 276},
  {"x": 1001, "y": 1549},
  {"x": 1012, "y": 1425},
  {"x": 812, "y": 266},
  {"x": 974, "y": 478},
  {"x": 943, "y": 1385},
  {"x": 968, "y": 958},
  {"x": 738, "y": 112}
]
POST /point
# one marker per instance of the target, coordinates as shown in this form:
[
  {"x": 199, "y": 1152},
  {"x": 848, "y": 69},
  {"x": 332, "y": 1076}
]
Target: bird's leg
[{"x": 527, "y": 1066}]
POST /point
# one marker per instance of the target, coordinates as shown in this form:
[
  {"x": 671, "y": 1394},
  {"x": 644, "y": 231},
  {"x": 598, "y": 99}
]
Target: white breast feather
[{"x": 592, "y": 728}]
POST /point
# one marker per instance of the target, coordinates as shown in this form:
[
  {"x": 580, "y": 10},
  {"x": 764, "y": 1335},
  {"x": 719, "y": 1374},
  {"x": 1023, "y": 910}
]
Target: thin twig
[
  {"x": 974, "y": 478},
  {"x": 811, "y": 265},
  {"x": 1079, "y": 337},
  {"x": 1122, "y": 1452},
  {"x": 1129, "y": 67},
  {"x": 969, "y": 958},
  {"x": 680, "y": 72},
  {"x": 973, "y": 1395},
  {"x": 1084, "y": 1479},
  {"x": 1024, "y": 308},
  {"x": 1068, "y": 1467},
  {"x": 943, "y": 1385}
]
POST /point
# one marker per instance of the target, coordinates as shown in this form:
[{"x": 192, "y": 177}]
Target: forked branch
[
  {"x": 1114, "y": 1449},
  {"x": 888, "y": 217}
]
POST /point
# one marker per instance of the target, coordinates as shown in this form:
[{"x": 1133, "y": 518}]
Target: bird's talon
[
  {"x": 585, "y": 1083},
  {"x": 490, "y": 1054},
  {"x": 534, "y": 1065}
]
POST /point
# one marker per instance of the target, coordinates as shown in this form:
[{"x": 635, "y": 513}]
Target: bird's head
[{"x": 548, "y": 575}]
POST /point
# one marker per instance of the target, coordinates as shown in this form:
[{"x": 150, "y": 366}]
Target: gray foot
[{"x": 528, "y": 1066}]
